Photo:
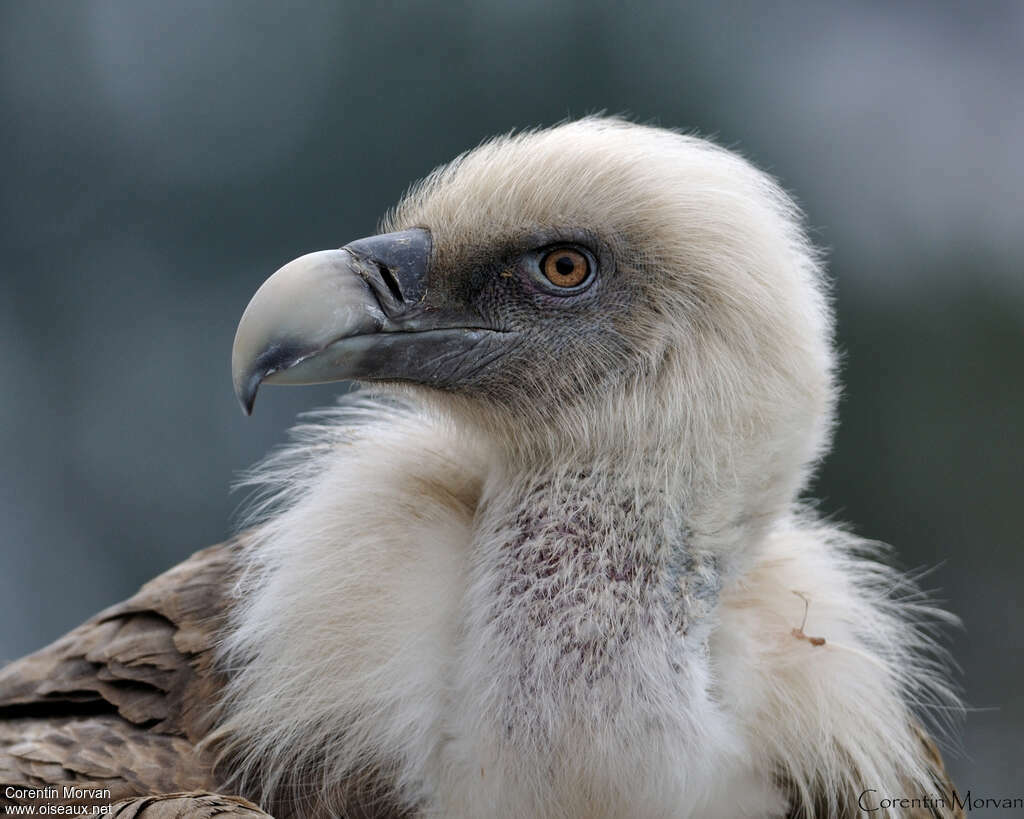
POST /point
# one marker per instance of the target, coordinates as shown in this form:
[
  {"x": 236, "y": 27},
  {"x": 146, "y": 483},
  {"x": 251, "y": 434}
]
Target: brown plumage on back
[
  {"x": 120, "y": 702},
  {"x": 942, "y": 804},
  {"x": 195, "y": 805}
]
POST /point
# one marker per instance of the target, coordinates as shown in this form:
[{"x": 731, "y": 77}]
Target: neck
[
  {"x": 576, "y": 569},
  {"x": 724, "y": 496},
  {"x": 586, "y": 620}
]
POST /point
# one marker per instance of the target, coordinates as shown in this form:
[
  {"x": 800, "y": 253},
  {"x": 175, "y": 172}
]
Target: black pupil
[{"x": 565, "y": 265}]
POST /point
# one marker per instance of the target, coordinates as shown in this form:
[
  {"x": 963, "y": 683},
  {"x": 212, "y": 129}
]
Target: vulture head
[
  {"x": 559, "y": 569},
  {"x": 597, "y": 291}
]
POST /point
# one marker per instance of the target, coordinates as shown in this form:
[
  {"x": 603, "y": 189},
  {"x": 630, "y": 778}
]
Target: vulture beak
[{"x": 359, "y": 312}]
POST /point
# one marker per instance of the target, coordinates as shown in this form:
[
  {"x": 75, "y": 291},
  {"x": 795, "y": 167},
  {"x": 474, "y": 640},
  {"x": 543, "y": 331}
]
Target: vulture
[{"x": 550, "y": 560}]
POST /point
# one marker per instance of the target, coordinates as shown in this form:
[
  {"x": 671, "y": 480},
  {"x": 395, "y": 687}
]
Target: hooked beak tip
[{"x": 246, "y": 391}]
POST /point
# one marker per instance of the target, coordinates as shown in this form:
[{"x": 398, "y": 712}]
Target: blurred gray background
[{"x": 162, "y": 158}]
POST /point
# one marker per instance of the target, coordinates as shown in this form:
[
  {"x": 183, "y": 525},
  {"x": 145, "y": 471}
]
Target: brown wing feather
[
  {"x": 942, "y": 781},
  {"x": 120, "y": 701},
  {"x": 943, "y": 786},
  {"x": 187, "y": 806}
]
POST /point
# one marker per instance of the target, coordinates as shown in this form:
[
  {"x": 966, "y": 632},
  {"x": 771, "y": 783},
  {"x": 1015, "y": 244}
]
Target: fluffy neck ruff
[{"x": 419, "y": 619}]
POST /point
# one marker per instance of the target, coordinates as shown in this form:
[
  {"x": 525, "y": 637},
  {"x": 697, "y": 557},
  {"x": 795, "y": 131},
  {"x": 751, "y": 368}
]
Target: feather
[
  {"x": 197, "y": 805},
  {"x": 118, "y": 702}
]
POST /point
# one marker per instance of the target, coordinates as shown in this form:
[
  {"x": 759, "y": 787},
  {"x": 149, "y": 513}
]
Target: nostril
[
  {"x": 390, "y": 281},
  {"x": 394, "y": 266}
]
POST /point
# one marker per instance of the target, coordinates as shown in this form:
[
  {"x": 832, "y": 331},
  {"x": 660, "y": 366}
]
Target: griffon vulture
[{"x": 550, "y": 561}]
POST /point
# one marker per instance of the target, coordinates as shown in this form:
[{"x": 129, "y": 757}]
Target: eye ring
[{"x": 566, "y": 267}]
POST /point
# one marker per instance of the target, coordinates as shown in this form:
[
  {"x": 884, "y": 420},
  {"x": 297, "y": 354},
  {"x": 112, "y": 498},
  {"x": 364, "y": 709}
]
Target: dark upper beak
[{"x": 359, "y": 312}]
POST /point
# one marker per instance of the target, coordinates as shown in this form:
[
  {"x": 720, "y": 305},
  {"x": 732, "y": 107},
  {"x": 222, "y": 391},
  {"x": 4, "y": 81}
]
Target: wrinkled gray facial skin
[{"x": 551, "y": 340}]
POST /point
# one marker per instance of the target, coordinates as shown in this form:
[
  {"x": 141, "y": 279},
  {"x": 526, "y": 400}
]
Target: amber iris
[{"x": 565, "y": 267}]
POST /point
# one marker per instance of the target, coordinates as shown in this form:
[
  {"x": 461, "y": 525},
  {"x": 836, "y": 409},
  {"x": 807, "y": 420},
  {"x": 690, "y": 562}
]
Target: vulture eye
[{"x": 565, "y": 267}]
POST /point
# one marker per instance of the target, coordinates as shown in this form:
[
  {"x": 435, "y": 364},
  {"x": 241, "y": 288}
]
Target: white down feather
[{"x": 349, "y": 649}]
